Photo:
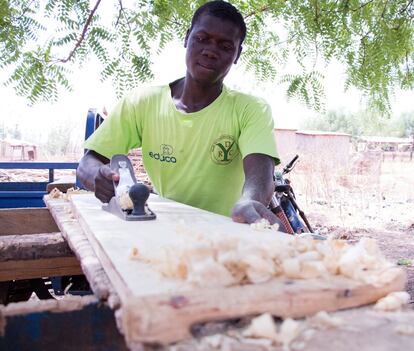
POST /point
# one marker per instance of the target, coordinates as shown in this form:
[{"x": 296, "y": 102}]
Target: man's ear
[
  {"x": 238, "y": 54},
  {"x": 186, "y": 38}
]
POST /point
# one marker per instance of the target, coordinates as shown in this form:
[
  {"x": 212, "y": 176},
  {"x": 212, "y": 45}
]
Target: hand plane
[{"x": 130, "y": 200}]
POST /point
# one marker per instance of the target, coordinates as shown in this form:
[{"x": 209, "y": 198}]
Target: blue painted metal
[
  {"x": 21, "y": 199},
  {"x": 93, "y": 121},
  {"x": 38, "y": 165},
  {"x": 23, "y": 186},
  {"x": 92, "y": 328},
  {"x": 28, "y": 194}
]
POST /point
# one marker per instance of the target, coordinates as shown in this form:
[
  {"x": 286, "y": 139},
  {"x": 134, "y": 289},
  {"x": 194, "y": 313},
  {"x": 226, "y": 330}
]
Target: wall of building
[{"x": 321, "y": 149}]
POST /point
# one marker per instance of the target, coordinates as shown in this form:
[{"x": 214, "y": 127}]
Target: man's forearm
[
  {"x": 257, "y": 190},
  {"x": 88, "y": 168},
  {"x": 259, "y": 185}
]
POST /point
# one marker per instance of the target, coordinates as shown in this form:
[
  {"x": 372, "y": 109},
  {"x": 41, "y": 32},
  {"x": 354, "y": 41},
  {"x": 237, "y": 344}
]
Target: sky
[{"x": 90, "y": 92}]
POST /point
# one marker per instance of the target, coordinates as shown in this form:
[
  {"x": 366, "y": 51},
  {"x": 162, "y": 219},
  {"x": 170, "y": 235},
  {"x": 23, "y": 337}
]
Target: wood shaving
[
  {"x": 298, "y": 345},
  {"x": 322, "y": 320},
  {"x": 214, "y": 341},
  {"x": 210, "y": 273},
  {"x": 404, "y": 329},
  {"x": 263, "y": 224},
  {"x": 262, "y": 327},
  {"x": 57, "y": 194},
  {"x": 291, "y": 268},
  {"x": 266, "y": 343},
  {"x": 289, "y": 331},
  {"x": 308, "y": 334},
  {"x": 134, "y": 253},
  {"x": 125, "y": 201},
  {"x": 393, "y": 301}
]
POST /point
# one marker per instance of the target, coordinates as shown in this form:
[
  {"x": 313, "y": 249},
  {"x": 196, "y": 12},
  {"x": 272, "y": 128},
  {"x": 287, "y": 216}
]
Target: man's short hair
[{"x": 223, "y": 10}]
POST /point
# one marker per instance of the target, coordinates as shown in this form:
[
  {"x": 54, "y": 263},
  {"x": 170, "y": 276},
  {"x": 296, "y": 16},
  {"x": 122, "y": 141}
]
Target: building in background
[
  {"x": 17, "y": 150},
  {"x": 327, "y": 149}
]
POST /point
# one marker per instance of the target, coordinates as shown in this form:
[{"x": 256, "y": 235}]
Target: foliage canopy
[
  {"x": 363, "y": 123},
  {"x": 43, "y": 39}
]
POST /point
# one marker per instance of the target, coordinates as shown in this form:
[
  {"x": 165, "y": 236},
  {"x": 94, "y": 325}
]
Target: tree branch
[
  {"x": 262, "y": 9},
  {"x": 406, "y": 7},
  {"x": 384, "y": 9},
  {"x": 317, "y": 15},
  {"x": 363, "y": 5},
  {"x": 278, "y": 44},
  {"x": 25, "y": 10},
  {"x": 82, "y": 36},
  {"x": 121, "y": 9}
]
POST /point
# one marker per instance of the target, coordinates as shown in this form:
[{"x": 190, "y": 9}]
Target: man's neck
[{"x": 191, "y": 96}]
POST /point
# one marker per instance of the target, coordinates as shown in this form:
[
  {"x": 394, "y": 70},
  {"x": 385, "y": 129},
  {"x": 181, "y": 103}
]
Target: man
[{"x": 202, "y": 143}]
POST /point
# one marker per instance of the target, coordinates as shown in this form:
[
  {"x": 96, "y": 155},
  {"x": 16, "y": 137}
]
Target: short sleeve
[
  {"x": 121, "y": 131},
  {"x": 256, "y": 131}
]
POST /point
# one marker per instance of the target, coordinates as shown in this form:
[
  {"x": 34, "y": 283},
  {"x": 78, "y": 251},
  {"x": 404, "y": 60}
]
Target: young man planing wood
[{"x": 203, "y": 144}]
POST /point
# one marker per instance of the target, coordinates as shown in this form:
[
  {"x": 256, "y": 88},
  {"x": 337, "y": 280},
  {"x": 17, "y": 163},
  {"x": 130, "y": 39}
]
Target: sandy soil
[{"x": 379, "y": 205}]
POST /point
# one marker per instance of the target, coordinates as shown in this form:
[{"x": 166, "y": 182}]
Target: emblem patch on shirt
[
  {"x": 224, "y": 150},
  {"x": 165, "y": 154}
]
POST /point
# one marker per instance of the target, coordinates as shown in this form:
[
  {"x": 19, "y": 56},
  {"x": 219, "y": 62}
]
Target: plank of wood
[
  {"x": 19, "y": 221},
  {"x": 66, "y": 304},
  {"x": 157, "y": 309},
  {"x": 71, "y": 230},
  {"x": 46, "y": 267},
  {"x": 151, "y": 316},
  {"x": 33, "y": 246},
  {"x": 113, "y": 239}
]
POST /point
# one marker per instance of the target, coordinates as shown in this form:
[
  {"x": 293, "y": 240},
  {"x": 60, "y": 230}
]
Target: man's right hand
[
  {"x": 95, "y": 175},
  {"x": 104, "y": 186}
]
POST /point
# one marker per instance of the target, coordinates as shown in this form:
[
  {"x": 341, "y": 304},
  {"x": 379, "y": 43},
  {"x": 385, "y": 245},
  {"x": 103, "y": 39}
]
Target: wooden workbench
[
  {"x": 32, "y": 246},
  {"x": 364, "y": 329}
]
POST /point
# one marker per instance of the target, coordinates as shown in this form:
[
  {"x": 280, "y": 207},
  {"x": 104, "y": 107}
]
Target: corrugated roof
[
  {"x": 384, "y": 139},
  {"x": 17, "y": 142},
  {"x": 321, "y": 133},
  {"x": 286, "y": 129}
]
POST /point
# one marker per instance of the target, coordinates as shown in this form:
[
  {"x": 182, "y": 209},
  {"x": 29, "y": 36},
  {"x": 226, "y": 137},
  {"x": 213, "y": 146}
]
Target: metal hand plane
[{"x": 130, "y": 200}]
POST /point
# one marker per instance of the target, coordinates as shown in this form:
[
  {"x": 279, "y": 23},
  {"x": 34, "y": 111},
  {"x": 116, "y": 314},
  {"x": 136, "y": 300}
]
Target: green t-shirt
[{"x": 193, "y": 158}]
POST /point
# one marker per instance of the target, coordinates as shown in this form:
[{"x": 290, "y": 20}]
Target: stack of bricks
[{"x": 135, "y": 156}]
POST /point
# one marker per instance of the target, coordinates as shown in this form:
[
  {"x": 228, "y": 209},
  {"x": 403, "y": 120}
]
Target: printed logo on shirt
[
  {"x": 165, "y": 154},
  {"x": 224, "y": 150}
]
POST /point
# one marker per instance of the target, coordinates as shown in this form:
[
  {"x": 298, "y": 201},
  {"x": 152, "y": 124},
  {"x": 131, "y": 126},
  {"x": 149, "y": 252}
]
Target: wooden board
[
  {"x": 75, "y": 236},
  {"x": 44, "y": 267},
  {"x": 156, "y": 309},
  {"x": 19, "y": 221}
]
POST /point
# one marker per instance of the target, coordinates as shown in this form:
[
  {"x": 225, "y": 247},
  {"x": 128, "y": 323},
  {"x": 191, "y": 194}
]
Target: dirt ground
[{"x": 377, "y": 202}]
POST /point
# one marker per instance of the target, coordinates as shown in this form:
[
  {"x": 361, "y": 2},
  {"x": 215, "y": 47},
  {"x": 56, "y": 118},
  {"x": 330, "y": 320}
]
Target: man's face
[{"x": 213, "y": 45}]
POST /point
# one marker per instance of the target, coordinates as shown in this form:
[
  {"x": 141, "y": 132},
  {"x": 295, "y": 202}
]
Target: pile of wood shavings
[
  {"x": 219, "y": 259},
  {"x": 265, "y": 333},
  {"x": 393, "y": 301},
  {"x": 57, "y": 194}
]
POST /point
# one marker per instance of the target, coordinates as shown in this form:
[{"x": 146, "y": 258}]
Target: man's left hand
[{"x": 250, "y": 211}]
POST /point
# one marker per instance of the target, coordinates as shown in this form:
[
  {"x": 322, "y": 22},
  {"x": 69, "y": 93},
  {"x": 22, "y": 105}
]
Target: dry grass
[{"x": 367, "y": 191}]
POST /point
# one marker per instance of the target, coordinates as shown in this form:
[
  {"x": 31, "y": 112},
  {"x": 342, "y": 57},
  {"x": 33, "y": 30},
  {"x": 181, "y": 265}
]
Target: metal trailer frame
[{"x": 92, "y": 327}]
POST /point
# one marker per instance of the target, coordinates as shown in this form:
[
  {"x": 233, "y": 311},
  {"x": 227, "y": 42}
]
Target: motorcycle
[{"x": 283, "y": 204}]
